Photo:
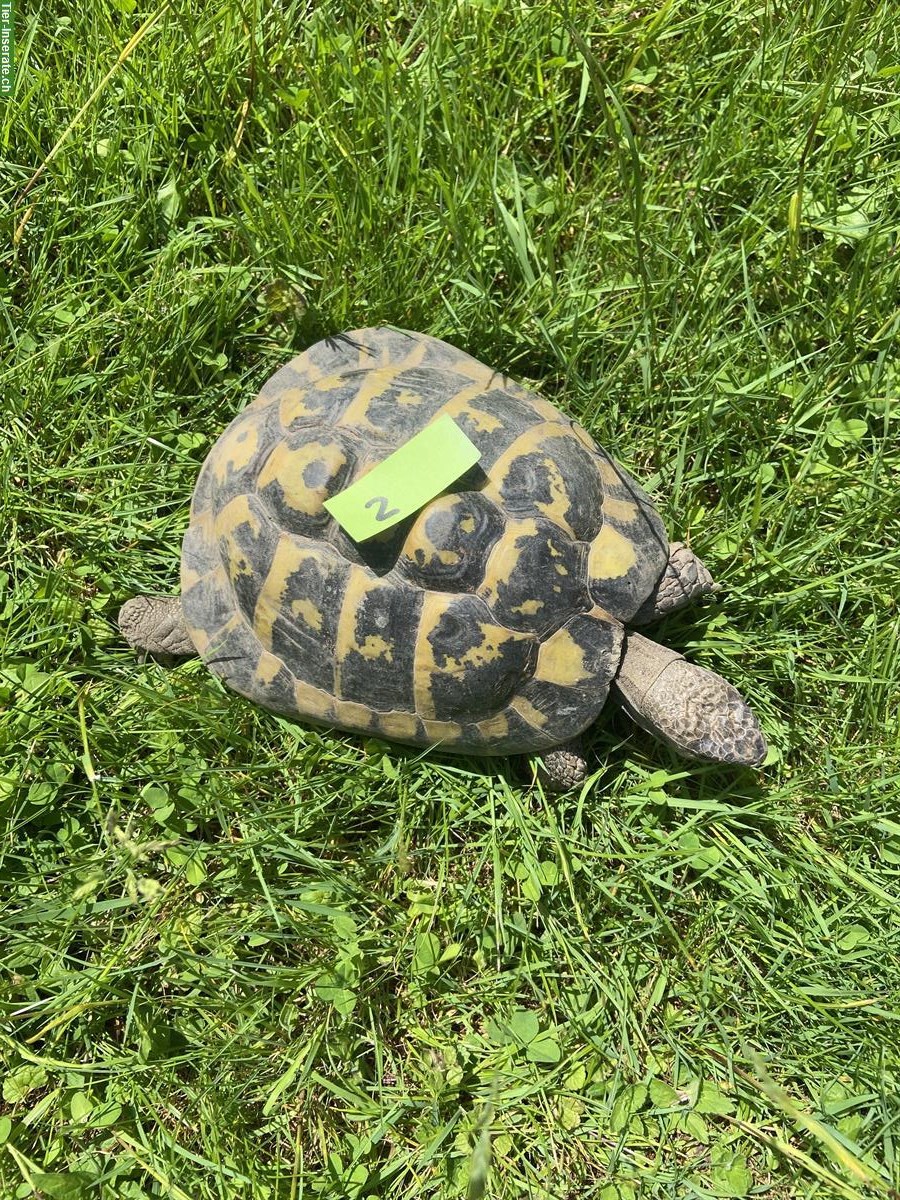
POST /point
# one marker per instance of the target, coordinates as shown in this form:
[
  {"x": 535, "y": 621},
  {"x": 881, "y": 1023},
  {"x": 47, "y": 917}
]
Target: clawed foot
[
  {"x": 684, "y": 580},
  {"x": 156, "y": 624},
  {"x": 564, "y": 767}
]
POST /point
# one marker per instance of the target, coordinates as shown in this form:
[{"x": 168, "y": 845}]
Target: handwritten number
[{"x": 384, "y": 513}]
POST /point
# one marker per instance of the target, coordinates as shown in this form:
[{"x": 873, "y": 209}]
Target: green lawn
[{"x": 239, "y": 958}]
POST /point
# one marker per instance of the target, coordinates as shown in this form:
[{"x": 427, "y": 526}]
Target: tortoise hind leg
[
  {"x": 684, "y": 580},
  {"x": 563, "y": 767},
  {"x": 156, "y": 625}
]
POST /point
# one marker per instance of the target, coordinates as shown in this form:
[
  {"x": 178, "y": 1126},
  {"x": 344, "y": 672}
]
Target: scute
[
  {"x": 393, "y": 402},
  {"x": 495, "y": 419},
  {"x": 303, "y": 471},
  {"x": 467, "y": 666},
  {"x": 547, "y": 473},
  {"x": 247, "y": 540},
  {"x": 628, "y": 556},
  {"x": 574, "y": 670},
  {"x": 535, "y": 577},
  {"x": 447, "y": 547},
  {"x": 298, "y": 609},
  {"x": 234, "y": 460},
  {"x": 375, "y": 652},
  {"x": 489, "y": 621},
  {"x": 207, "y": 601}
]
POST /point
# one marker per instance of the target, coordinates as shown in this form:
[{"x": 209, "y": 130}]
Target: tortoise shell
[{"x": 490, "y": 621}]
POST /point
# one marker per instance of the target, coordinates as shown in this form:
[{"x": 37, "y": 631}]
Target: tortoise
[{"x": 496, "y": 620}]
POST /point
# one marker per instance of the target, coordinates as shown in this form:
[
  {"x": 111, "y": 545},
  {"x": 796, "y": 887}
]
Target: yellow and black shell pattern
[{"x": 491, "y": 621}]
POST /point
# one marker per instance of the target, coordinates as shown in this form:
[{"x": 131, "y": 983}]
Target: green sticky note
[{"x": 405, "y": 481}]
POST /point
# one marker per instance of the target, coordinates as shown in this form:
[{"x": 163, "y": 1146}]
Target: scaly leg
[
  {"x": 684, "y": 580},
  {"x": 156, "y": 624}
]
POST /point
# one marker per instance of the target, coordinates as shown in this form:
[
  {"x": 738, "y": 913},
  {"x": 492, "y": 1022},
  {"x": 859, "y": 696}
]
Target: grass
[{"x": 244, "y": 959}]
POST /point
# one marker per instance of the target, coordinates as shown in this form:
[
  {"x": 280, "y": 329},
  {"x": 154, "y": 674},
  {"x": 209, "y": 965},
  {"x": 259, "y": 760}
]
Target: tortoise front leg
[
  {"x": 156, "y": 625},
  {"x": 684, "y": 580}
]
